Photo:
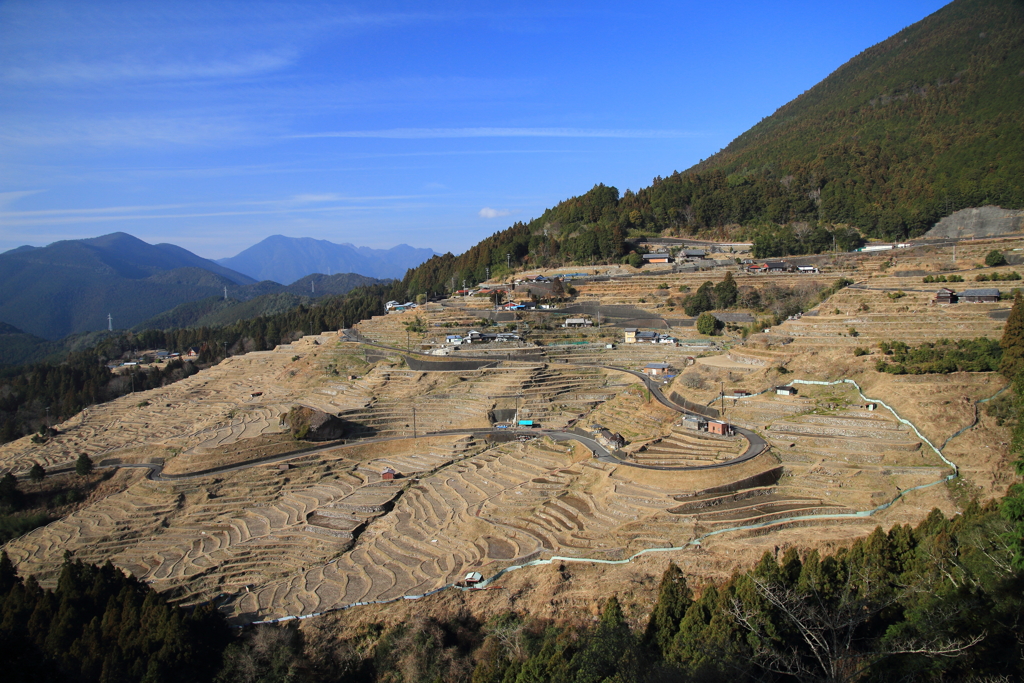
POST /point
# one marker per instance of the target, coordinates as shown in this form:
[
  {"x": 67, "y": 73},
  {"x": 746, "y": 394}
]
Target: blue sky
[{"x": 214, "y": 125}]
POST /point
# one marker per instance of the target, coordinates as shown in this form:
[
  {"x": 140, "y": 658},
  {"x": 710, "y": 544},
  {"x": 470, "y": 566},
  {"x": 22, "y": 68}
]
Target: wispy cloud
[
  {"x": 133, "y": 131},
  {"x": 139, "y": 69},
  {"x": 329, "y": 197},
  {"x": 8, "y": 198},
  {"x": 323, "y": 203},
  {"x": 488, "y": 212},
  {"x": 436, "y": 133}
]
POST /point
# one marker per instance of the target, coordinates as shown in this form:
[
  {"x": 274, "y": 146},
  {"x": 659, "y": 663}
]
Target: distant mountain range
[
  {"x": 287, "y": 259},
  {"x": 70, "y": 287}
]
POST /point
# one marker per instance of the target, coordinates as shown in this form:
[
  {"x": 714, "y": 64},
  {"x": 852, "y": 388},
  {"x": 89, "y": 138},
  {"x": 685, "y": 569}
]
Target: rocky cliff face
[{"x": 984, "y": 221}]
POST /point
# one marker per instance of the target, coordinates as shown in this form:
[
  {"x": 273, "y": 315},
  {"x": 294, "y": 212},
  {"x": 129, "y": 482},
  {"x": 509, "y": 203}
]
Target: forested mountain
[
  {"x": 266, "y": 298},
  {"x": 912, "y": 129},
  {"x": 71, "y": 286},
  {"x": 287, "y": 259},
  {"x": 929, "y": 121}
]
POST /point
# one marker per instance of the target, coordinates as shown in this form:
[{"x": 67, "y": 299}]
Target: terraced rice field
[{"x": 328, "y": 531}]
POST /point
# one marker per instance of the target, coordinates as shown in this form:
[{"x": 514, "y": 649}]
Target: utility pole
[
  {"x": 225, "y": 293},
  {"x": 488, "y": 272},
  {"x": 508, "y": 260},
  {"x": 414, "y": 420},
  {"x": 312, "y": 286},
  {"x": 110, "y": 323}
]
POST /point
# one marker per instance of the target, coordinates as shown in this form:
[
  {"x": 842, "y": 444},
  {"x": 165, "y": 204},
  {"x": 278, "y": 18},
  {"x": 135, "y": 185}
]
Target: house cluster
[
  {"x": 475, "y": 337},
  {"x": 777, "y": 267},
  {"x": 703, "y": 424},
  {"x": 972, "y": 296},
  {"x": 606, "y": 437},
  {"x": 634, "y": 335}
]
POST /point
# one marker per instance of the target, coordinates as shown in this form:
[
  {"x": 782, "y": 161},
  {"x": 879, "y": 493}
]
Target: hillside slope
[
  {"x": 926, "y": 122},
  {"x": 71, "y": 286},
  {"x": 923, "y": 124}
]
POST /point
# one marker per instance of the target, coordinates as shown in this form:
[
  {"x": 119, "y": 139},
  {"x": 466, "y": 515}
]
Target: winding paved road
[{"x": 756, "y": 445}]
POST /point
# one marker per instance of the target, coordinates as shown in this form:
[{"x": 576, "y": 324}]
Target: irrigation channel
[{"x": 695, "y": 542}]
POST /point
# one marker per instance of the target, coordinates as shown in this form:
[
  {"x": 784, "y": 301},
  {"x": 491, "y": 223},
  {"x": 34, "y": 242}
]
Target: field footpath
[{"x": 695, "y": 542}]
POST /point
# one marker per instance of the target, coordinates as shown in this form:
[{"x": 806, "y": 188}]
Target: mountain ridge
[{"x": 288, "y": 259}]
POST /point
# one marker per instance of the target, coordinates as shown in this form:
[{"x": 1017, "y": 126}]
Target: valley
[{"x": 210, "y": 497}]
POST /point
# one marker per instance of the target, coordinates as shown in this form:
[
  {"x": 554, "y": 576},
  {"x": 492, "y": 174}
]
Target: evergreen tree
[
  {"x": 995, "y": 258},
  {"x": 37, "y": 473},
  {"x": 83, "y": 466},
  {"x": 674, "y": 598},
  {"x": 726, "y": 292},
  {"x": 1013, "y": 341},
  {"x": 10, "y": 496},
  {"x": 707, "y": 323}
]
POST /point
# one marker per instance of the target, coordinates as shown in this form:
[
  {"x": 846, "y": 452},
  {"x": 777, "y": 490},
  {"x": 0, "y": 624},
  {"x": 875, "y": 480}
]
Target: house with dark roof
[
  {"x": 977, "y": 296},
  {"x": 658, "y": 369},
  {"x": 945, "y": 296}
]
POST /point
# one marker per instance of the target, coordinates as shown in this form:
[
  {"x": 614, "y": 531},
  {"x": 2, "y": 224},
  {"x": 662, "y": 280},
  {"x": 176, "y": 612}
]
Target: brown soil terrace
[{"x": 327, "y": 531}]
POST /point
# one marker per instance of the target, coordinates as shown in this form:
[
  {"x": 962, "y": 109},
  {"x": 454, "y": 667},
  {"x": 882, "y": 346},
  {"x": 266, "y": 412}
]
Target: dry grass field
[{"x": 325, "y": 530}]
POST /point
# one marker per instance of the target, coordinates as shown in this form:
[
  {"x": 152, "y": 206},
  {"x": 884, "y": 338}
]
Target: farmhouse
[
  {"x": 977, "y": 296},
  {"x": 610, "y": 439},
  {"x": 657, "y": 258},
  {"x": 630, "y": 335},
  {"x": 647, "y": 336},
  {"x": 693, "y": 253},
  {"x": 578, "y": 322},
  {"x": 945, "y": 296},
  {"x": 658, "y": 369},
  {"x": 806, "y": 269}
]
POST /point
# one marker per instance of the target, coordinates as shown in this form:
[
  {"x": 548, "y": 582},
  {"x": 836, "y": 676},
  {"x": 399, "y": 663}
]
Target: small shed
[
  {"x": 473, "y": 578},
  {"x": 388, "y": 474},
  {"x": 720, "y": 428},
  {"x": 785, "y": 391},
  {"x": 977, "y": 296},
  {"x": 695, "y": 422}
]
